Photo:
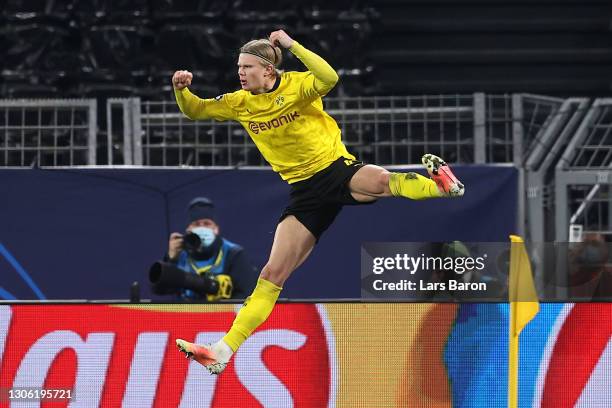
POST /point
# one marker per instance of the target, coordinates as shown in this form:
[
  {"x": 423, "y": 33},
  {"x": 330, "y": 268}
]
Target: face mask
[{"x": 207, "y": 235}]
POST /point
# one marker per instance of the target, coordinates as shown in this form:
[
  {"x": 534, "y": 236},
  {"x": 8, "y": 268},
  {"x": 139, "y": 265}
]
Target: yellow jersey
[{"x": 288, "y": 124}]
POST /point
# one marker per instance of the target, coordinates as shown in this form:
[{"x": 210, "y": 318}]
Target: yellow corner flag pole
[{"x": 524, "y": 306}]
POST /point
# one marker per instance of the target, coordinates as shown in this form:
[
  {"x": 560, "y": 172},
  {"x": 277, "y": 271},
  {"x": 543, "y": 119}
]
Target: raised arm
[
  {"x": 187, "y": 102},
  {"x": 194, "y": 107},
  {"x": 325, "y": 77}
]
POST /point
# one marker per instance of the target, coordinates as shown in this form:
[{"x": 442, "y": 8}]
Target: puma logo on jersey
[{"x": 257, "y": 127}]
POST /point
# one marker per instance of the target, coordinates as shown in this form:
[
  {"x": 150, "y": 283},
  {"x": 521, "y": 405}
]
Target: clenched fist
[
  {"x": 181, "y": 79},
  {"x": 280, "y": 38}
]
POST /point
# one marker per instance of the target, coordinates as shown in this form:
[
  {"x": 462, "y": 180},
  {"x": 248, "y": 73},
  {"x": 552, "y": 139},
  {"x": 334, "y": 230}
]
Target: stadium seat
[
  {"x": 119, "y": 47},
  {"x": 38, "y": 46},
  {"x": 194, "y": 46},
  {"x": 144, "y": 41}
]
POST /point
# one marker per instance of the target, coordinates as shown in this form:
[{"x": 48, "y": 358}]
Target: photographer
[{"x": 215, "y": 267}]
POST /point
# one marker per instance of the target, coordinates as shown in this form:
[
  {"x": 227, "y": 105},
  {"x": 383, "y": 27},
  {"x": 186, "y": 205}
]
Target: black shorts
[{"x": 316, "y": 201}]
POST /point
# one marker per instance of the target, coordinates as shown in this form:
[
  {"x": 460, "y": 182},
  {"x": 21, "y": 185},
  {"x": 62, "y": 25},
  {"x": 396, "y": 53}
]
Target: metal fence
[
  {"x": 49, "y": 132},
  {"x": 383, "y": 130},
  {"x": 584, "y": 175},
  {"x": 515, "y": 123},
  {"x": 399, "y": 130},
  {"x": 545, "y": 152},
  {"x": 170, "y": 139},
  {"x": 474, "y": 128}
]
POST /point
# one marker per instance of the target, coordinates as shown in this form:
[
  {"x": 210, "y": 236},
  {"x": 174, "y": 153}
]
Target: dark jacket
[{"x": 225, "y": 257}]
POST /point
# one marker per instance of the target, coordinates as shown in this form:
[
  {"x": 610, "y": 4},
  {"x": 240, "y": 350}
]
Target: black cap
[{"x": 200, "y": 208}]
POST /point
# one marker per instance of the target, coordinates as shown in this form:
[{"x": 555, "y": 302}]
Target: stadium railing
[{"x": 48, "y": 132}]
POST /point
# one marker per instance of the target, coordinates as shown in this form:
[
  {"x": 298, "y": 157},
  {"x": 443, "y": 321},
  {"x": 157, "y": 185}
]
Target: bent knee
[
  {"x": 383, "y": 182},
  {"x": 383, "y": 177}
]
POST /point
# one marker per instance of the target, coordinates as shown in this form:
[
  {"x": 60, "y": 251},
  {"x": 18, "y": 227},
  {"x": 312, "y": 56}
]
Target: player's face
[{"x": 252, "y": 73}]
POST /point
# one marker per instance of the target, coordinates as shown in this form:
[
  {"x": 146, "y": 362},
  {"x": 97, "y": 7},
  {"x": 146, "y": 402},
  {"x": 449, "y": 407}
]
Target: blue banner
[{"x": 90, "y": 233}]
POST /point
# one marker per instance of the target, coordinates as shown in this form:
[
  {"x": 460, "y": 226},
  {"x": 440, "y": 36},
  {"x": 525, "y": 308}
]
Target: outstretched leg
[
  {"x": 372, "y": 182},
  {"x": 292, "y": 244}
]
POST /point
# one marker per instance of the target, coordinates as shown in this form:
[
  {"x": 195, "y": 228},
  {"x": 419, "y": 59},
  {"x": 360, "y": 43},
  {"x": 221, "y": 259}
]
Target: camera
[
  {"x": 167, "y": 278},
  {"x": 192, "y": 243}
]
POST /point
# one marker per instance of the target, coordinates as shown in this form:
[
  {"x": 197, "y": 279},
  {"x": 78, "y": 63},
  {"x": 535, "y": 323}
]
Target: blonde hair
[{"x": 265, "y": 51}]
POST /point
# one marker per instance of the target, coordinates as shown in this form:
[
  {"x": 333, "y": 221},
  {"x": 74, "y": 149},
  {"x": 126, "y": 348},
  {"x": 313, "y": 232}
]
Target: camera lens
[{"x": 191, "y": 242}]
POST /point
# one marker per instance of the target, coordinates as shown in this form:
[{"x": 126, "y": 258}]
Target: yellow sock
[
  {"x": 255, "y": 311},
  {"x": 413, "y": 186}
]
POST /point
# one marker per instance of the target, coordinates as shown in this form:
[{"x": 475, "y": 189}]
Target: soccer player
[{"x": 283, "y": 114}]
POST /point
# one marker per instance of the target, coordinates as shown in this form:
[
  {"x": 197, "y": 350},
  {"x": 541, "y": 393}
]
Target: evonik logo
[{"x": 257, "y": 127}]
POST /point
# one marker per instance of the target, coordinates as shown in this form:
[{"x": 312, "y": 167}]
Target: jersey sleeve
[
  {"x": 197, "y": 108},
  {"x": 321, "y": 77}
]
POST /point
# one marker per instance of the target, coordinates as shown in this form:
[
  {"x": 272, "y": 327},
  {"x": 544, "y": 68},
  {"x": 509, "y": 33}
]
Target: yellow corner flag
[{"x": 524, "y": 306}]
